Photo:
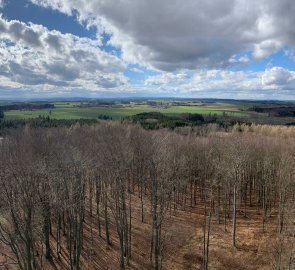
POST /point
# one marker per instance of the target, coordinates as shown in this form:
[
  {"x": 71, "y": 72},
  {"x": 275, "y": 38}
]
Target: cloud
[
  {"x": 290, "y": 53},
  {"x": 174, "y": 34},
  {"x": 224, "y": 83},
  {"x": 266, "y": 48},
  {"x": 239, "y": 60},
  {"x": 2, "y": 3},
  {"x": 166, "y": 78},
  {"x": 190, "y": 45},
  {"x": 32, "y": 57},
  {"x": 54, "y": 42},
  {"x": 278, "y": 78},
  {"x": 136, "y": 70}
]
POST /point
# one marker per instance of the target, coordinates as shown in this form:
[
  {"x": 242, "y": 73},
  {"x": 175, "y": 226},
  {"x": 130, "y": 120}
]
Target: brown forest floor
[{"x": 183, "y": 243}]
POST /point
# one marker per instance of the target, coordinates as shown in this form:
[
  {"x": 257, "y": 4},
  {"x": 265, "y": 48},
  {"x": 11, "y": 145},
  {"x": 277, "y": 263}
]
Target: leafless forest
[{"x": 115, "y": 196}]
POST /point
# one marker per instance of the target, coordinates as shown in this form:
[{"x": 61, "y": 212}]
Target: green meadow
[{"x": 70, "y": 110}]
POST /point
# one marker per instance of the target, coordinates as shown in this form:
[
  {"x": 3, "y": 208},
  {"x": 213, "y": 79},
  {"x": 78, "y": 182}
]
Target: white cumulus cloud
[
  {"x": 176, "y": 34},
  {"x": 278, "y": 78},
  {"x": 33, "y": 57},
  {"x": 226, "y": 83}
]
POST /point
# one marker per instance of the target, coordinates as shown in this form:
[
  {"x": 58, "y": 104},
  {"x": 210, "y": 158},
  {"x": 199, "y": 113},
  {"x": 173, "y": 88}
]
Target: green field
[{"x": 69, "y": 110}]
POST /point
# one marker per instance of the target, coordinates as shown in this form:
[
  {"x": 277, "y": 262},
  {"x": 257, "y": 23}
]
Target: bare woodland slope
[{"x": 115, "y": 196}]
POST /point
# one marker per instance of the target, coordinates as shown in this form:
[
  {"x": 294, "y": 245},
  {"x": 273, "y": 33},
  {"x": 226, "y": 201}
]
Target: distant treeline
[
  {"x": 104, "y": 117},
  {"x": 283, "y": 111},
  {"x": 103, "y": 103},
  {"x": 157, "y": 120},
  {"x": 44, "y": 122},
  {"x": 26, "y": 106}
]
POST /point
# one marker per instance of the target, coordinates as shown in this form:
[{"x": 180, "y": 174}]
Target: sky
[{"x": 241, "y": 49}]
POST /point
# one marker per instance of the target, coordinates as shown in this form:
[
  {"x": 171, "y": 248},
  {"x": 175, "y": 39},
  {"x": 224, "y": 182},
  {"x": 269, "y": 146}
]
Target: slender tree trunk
[{"x": 234, "y": 217}]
